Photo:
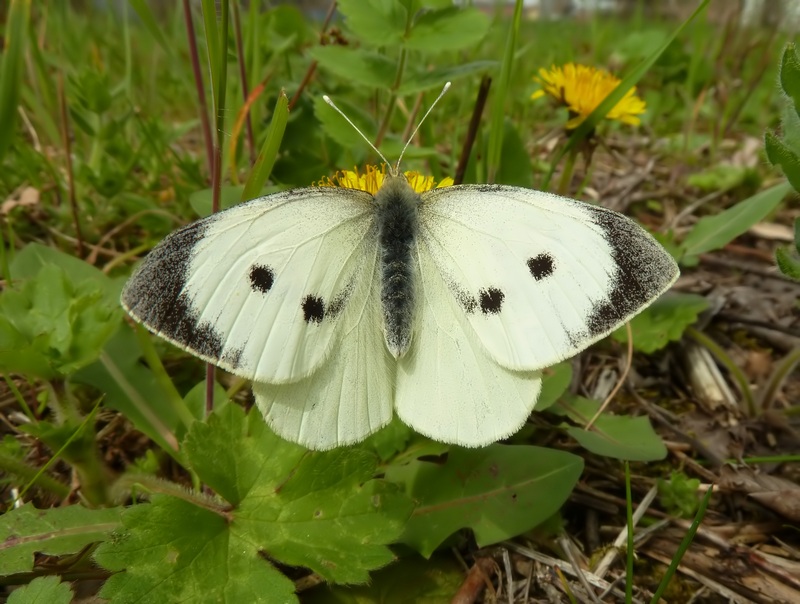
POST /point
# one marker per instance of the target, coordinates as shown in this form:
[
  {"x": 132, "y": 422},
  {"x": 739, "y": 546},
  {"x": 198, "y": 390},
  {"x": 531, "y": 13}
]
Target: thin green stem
[{"x": 154, "y": 485}]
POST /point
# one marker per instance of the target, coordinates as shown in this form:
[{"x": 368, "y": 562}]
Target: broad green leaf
[
  {"x": 269, "y": 150},
  {"x": 420, "y": 81},
  {"x": 499, "y": 492},
  {"x": 555, "y": 383},
  {"x": 434, "y": 581},
  {"x": 714, "y": 232},
  {"x": 663, "y": 321},
  {"x": 318, "y": 510},
  {"x": 42, "y": 590},
  {"x": 790, "y": 75},
  {"x": 779, "y": 154},
  {"x": 451, "y": 28},
  {"x": 27, "y": 531},
  {"x": 617, "y": 436},
  {"x": 357, "y": 66},
  {"x": 376, "y": 22}
]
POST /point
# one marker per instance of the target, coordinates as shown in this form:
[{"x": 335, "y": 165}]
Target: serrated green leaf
[
  {"x": 787, "y": 264},
  {"x": 356, "y": 65},
  {"x": 50, "y": 326},
  {"x": 790, "y": 75},
  {"x": 451, "y": 28},
  {"x": 499, "y": 492},
  {"x": 779, "y": 154},
  {"x": 26, "y": 531},
  {"x": 663, "y": 321},
  {"x": 173, "y": 551},
  {"x": 318, "y": 510},
  {"x": 418, "y": 82},
  {"x": 617, "y": 436},
  {"x": 714, "y": 232},
  {"x": 377, "y": 22},
  {"x": 42, "y": 590}
]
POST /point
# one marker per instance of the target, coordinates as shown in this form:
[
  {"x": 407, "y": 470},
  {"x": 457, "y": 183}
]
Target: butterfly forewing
[
  {"x": 539, "y": 277},
  {"x": 260, "y": 289}
]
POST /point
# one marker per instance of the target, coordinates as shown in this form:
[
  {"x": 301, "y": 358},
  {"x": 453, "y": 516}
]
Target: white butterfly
[{"x": 445, "y": 306}]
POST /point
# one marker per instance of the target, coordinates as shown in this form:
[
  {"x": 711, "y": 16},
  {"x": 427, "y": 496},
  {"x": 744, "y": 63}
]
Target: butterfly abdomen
[{"x": 397, "y": 222}]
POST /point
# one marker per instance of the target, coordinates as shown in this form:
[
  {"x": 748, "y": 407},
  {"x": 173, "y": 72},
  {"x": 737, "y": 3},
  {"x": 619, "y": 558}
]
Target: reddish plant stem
[{"x": 198, "y": 80}]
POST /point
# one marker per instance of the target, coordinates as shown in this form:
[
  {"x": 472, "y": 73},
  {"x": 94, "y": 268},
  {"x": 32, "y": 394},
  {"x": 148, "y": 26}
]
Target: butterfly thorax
[{"x": 397, "y": 224}]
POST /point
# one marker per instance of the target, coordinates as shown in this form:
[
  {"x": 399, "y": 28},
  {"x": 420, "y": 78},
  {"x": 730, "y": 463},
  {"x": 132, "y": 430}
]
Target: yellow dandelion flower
[
  {"x": 372, "y": 180},
  {"x": 582, "y": 88}
]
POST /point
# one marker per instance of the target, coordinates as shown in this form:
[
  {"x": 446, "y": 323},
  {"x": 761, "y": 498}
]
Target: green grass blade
[
  {"x": 150, "y": 23},
  {"x": 212, "y": 39},
  {"x": 495, "y": 145},
  {"x": 685, "y": 543},
  {"x": 594, "y": 118},
  {"x": 269, "y": 151},
  {"x": 16, "y": 36}
]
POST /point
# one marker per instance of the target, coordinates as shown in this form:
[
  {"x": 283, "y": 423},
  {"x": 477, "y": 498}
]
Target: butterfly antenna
[
  {"x": 424, "y": 117},
  {"x": 328, "y": 100}
]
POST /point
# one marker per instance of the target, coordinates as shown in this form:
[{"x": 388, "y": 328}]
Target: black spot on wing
[
  {"x": 643, "y": 270},
  {"x": 313, "y": 309},
  {"x": 541, "y": 266},
  {"x": 491, "y": 300},
  {"x": 262, "y": 278},
  {"x": 156, "y": 293}
]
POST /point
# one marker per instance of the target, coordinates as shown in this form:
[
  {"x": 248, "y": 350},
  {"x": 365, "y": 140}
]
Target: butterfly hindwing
[
  {"x": 347, "y": 398},
  {"x": 539, "y": 277},
  {"x": 448, "y": 387},
  {"x": 259, "y": 289}
]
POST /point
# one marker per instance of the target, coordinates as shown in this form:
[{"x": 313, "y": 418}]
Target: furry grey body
[{"x": 398, "y": 225}]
